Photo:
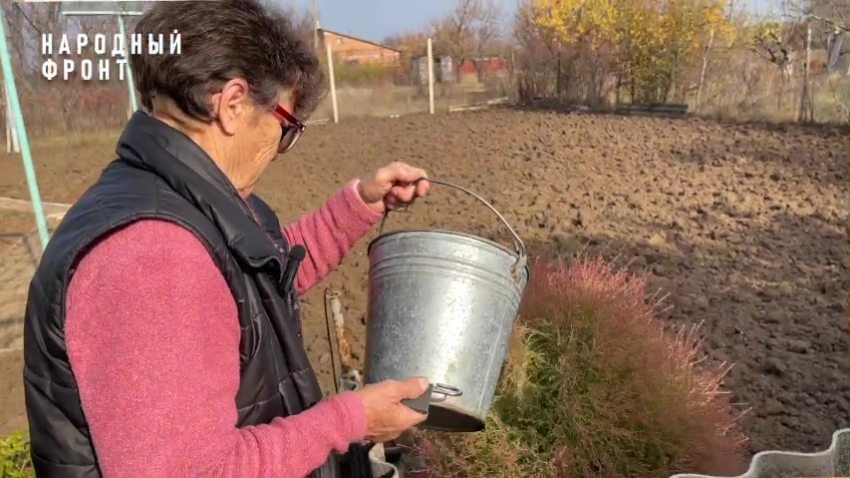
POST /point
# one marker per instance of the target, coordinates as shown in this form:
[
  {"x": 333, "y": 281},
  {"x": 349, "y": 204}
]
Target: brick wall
[{"x": 353, "y": 50}]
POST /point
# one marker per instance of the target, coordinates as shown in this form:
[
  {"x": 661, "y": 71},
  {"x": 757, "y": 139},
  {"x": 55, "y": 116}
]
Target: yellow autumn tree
[{"x": 654, "y": 43}]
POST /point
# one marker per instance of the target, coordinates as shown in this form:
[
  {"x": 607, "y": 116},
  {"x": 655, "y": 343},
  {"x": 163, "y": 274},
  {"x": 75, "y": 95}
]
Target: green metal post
[
  {"x": 15, "y": 104},
  {"x": 130, "y": 84}
]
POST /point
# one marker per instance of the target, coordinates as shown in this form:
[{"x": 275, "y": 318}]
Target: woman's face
[
  {"x": 264, "y": 131},
  {"x": 251, "y": 135}
]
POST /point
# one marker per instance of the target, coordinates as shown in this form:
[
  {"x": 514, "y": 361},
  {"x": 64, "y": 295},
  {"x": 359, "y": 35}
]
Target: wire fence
[
  {"x": 398, "y": 84},
  {"x": 362, "y": 88},
  {"x": 741, "y": 84},
  {"x": 807, "y": 82}
]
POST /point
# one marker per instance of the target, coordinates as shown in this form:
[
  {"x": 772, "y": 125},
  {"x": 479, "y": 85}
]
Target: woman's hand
[
  {"x": 386, "y": 417},
  {"x": 393, "y": 186}
]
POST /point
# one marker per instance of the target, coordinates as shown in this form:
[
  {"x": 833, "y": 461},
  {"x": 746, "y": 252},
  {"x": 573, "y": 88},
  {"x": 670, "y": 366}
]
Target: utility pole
[
  {"x": 806, "y": 105},
  {"x": 430, "y": 76},
  {"x": 316, "y": 24}
]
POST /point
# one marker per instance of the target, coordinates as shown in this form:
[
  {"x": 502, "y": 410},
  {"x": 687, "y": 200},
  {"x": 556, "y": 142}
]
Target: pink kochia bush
[{"x": 594, "y": 387}]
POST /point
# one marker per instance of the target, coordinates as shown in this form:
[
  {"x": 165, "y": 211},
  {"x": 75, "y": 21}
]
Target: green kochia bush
[
  {"x": 594, "y": 387},
  {"x": 15, "y": 457}
]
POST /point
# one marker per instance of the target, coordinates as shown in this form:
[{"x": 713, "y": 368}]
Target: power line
[
  {"x": 26, "y": 17},
  {"x": 316, "y": 24}
]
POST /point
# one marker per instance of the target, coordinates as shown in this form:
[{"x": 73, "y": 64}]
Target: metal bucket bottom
[{"x": 443, "y": 417}]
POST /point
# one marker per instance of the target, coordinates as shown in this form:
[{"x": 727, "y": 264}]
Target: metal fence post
[
  {"x": 15, "y": 105},
  {"x": 130, "y": 84}
]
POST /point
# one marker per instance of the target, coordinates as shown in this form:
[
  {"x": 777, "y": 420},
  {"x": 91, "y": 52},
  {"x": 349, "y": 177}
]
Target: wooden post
[
  {"x": 18, "y": 116},
  {"x": 316, "y": 25},
  {"x": 12, "y": 142},
  {"x": 131, "y": 87},
  {"x": 806, "y": 113},
  {"x": 430, "y": 76},
  {"x": 704, "y": 68},
  {"x": 558, "y": 78},
  {"x": 332, "y": 80},
  {"x": 809, "y": 94},
  {"x": 513, "y": 80}
]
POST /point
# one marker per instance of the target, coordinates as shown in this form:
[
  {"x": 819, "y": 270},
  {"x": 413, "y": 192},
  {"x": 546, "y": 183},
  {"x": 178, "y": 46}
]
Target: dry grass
[
  {"x": 389, "y": 100},
  {"x": 780, "y": 102},
  {"x": 594, "y": 387},
  {"x": 66, "y": 108},
  {"x": 743, "y": 86}
]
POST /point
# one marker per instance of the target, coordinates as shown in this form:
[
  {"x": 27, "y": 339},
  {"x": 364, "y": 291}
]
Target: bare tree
[
  {"x": 835, "y": 13},
  {"x": 774, "y": 47},
  {"x": 828, "y": 18},
  {"x": 472, "y": 29},
  {"x": 413, "y": 44},
  {"x": 538, "y": 51}
]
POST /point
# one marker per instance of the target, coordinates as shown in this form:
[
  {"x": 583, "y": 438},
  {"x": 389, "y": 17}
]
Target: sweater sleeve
[
  {"x": 329, "y": 234},
  {"x": 153, "y": 340}
]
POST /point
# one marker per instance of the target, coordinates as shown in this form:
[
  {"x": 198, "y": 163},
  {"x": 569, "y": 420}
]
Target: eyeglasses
[{"x": 291, "y": 127}]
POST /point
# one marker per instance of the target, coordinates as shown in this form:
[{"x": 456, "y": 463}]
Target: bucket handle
[
  {"x": 444, "y": 391},
  {"x": 519, "y": 246}
]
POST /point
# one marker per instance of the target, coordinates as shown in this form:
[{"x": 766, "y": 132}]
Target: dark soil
[{"x": 744, "y": 226}]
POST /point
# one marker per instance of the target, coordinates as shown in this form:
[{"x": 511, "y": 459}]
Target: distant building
[
  {"x": 478, "y": 69},
  {"x": 443, "y": 70},
  {"x": 446, "y": 70},
  {"x": 349, "y": 49}
]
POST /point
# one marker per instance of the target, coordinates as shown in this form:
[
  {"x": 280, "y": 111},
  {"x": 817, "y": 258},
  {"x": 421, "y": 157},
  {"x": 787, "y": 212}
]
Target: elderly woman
[{"x": 162, "y": 330}]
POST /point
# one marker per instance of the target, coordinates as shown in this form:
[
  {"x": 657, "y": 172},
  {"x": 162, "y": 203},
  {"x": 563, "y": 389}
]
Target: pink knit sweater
[{"x": 153, "y": 340}]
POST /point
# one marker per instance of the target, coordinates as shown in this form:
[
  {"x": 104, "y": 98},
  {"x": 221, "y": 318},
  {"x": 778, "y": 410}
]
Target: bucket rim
[{"x": 449, "y": 233}]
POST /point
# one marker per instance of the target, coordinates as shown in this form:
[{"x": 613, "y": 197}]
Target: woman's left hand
[{"x": 393, "y": 186}]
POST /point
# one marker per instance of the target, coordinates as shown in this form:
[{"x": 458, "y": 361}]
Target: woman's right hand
[{"x": 386, "y": 416}]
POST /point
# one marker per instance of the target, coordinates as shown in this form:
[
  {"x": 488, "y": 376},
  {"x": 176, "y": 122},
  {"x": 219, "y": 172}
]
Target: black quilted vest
[{"x": 161, "y": 173}]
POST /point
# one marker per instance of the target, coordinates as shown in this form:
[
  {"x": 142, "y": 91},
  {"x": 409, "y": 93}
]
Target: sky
[{"x": 376, "y": 19}]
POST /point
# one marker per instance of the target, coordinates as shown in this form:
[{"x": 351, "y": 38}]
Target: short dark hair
[{"x": 222, "y": 40}]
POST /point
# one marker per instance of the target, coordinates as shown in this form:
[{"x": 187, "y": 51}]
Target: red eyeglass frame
[{"x": 288, "y": 122}]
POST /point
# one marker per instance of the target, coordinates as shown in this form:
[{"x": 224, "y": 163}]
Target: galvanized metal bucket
[{"x": 442, "y": 305}]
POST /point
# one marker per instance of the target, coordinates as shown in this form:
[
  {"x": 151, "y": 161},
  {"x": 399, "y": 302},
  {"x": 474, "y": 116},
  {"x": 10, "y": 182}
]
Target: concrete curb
[{"x": 833, "y": 462}]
